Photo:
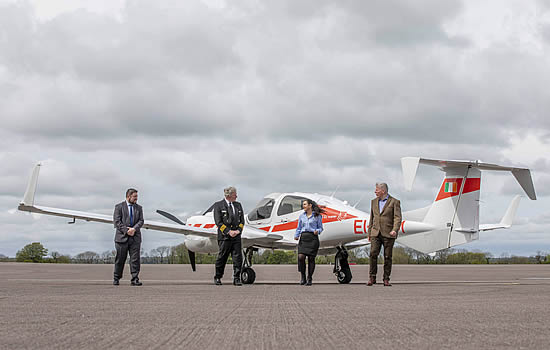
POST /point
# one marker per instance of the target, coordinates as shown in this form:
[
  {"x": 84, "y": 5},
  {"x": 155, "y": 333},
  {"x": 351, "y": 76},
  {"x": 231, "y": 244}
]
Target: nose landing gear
[{"x": 248, "y": 275}]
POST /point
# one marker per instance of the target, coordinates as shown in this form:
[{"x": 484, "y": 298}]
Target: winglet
[
  {"x": 28, "y": 198},
  {"x": 510, "y": 212},
  {"x": 409, "y": 165}
]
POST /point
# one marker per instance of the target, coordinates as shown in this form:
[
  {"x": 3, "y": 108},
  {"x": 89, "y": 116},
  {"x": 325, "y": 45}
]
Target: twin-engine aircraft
[{"x": 452, "y": 219}]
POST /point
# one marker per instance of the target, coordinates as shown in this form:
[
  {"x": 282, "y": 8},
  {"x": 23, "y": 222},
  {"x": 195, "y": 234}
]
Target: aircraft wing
[
  {"x": 270, "y": 242},
  {"x": 250, "y": 235},
  {"x": 107, "y": 219},
  {"x": 356, "y": 244}
]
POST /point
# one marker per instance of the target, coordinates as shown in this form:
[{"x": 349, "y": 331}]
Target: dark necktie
[
  {"x": 232, "y": 211},
  {"x": 131, "y": 215}
]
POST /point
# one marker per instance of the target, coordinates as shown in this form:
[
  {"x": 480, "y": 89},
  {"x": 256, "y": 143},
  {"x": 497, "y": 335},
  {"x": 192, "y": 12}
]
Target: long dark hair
[{"x": 314, "y": 207}]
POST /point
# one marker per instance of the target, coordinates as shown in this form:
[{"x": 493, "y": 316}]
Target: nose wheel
[{"x": 248, "y": 275}]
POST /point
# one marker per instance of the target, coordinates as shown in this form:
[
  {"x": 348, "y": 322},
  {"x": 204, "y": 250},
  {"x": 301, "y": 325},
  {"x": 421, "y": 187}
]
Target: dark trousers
[
  {"x": 233, "y": 247},
  {"x": 375, "y": 244},
  {"x": 122, "y": 250}
]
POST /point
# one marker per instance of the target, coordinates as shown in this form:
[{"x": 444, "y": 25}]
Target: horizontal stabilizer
[{"x": 409, "y": 166}]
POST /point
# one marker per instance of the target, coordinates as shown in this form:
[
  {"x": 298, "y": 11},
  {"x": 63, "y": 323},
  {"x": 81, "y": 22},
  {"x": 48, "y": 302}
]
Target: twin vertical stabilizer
[{"x": 454, "y": 214}]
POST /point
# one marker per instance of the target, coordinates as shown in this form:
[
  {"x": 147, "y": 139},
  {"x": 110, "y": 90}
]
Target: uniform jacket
[
  {"x": 226, "y": 222},
  {"x": 121, "y": 220},
  {"x": 386, "y": 221}
]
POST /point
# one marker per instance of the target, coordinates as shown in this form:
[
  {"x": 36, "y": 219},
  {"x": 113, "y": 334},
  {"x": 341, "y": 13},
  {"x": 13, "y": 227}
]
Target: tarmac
[{"x": 53, "y": 306}]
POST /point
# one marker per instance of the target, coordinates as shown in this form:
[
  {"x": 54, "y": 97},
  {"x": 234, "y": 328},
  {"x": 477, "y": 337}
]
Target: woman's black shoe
[{"x": 309, "y": 282}]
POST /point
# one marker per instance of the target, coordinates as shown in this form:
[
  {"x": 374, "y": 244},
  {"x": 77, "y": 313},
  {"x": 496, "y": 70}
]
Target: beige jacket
[{"x": 386, "y": 221}]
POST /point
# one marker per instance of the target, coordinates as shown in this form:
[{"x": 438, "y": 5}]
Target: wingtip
[{"x": 28, "y": 198}]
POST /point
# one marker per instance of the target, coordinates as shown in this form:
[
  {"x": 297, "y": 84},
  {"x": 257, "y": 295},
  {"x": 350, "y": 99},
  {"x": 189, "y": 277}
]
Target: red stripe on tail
[{"x": 472, "y": 184}]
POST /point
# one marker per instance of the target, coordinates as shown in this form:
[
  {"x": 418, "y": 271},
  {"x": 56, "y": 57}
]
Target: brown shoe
[
  {"x": 387, "y": 283},
  {"x": 372, "y": 280}
]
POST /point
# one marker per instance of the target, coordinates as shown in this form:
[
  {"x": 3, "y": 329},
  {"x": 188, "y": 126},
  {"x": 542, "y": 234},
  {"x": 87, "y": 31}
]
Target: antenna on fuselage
[
  {"x": 360, "y": 199},
  {"x": 336, "y": 190}
]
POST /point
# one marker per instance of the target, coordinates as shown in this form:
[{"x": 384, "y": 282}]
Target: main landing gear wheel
[
  {"x": 341, "y": 266},
  {"x": 344, "y": 276},
  {"x": 248, "y": 276}
]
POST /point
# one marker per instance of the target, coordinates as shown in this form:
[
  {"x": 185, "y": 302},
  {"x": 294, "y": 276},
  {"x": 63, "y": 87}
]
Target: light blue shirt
[
  {"x": 311, "y": 224},
  {"x": 382, "y": 203}
]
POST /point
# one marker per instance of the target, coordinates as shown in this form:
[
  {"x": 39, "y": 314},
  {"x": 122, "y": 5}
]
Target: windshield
[{"x": 262, "y": 210}]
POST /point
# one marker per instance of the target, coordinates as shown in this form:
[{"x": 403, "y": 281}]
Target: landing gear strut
[
  {"x": 341, "y": 265},
  {"x": 248, "y": 276}
]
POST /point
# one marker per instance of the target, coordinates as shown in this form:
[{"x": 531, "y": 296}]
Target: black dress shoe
[
  {"x": 303, "y": 281},
  {"x": 116, "y": 282},
  {"x": 217, "y": 281},
  {"x": 237, "y": 282},
  {"x": 136, "y": 283},
  {"x": 309, "y": 281}
]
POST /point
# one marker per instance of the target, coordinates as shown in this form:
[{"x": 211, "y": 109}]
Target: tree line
[{"x": 35, "y": 252}]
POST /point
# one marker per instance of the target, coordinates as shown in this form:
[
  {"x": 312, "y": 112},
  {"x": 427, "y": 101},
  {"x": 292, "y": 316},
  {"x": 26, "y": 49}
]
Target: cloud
[{"x": 182, "y": 100}]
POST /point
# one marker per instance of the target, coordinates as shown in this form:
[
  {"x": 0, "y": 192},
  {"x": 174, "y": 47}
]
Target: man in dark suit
[
  {"x": 229, "y": 218},
  {"x": 384, "y": 224},
  {"x": 128, "y": 220}
]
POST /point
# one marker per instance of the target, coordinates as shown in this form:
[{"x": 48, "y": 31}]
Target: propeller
[
  {"x": 170, "y": 216},
  {"x": 176, "y": 219},
  {"x": 192, "y": 260}
]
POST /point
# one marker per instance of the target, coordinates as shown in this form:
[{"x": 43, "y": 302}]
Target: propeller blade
[
  {"x": 192, "y": 260},
  {"x": 170, "y": 216}
]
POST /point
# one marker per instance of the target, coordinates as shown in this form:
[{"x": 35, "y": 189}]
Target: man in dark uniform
[
  {"x": 229, "y": 218},
  {"x": 128, "y": 220}
]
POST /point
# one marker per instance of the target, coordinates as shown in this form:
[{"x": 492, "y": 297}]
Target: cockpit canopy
[{"x": 264, "y": 209}]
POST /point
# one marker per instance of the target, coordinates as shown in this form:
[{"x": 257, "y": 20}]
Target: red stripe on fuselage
[
  {"x": 472, "y": 184},
  {"x": 330, "y": 215},
  {"x": 286, "y": 226}
]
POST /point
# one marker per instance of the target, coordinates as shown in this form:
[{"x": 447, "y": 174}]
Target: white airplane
[{"x": 452, "y": 219}]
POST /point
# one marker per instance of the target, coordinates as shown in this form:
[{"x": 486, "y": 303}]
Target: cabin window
[{"x": 290, "y": 204}]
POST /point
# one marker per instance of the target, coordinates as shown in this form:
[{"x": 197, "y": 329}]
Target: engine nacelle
[
  {"x": 201, "y": 245},
  {"x": 409, "y": 227}
]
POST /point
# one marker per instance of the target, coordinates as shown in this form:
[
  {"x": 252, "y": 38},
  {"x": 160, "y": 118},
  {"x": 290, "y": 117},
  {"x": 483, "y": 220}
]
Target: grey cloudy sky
[{"x": 182, "y": 98}]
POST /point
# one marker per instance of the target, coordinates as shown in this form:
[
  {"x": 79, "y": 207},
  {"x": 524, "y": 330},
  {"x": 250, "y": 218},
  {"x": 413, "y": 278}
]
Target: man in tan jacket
[{"x": 384, "y": 223}]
